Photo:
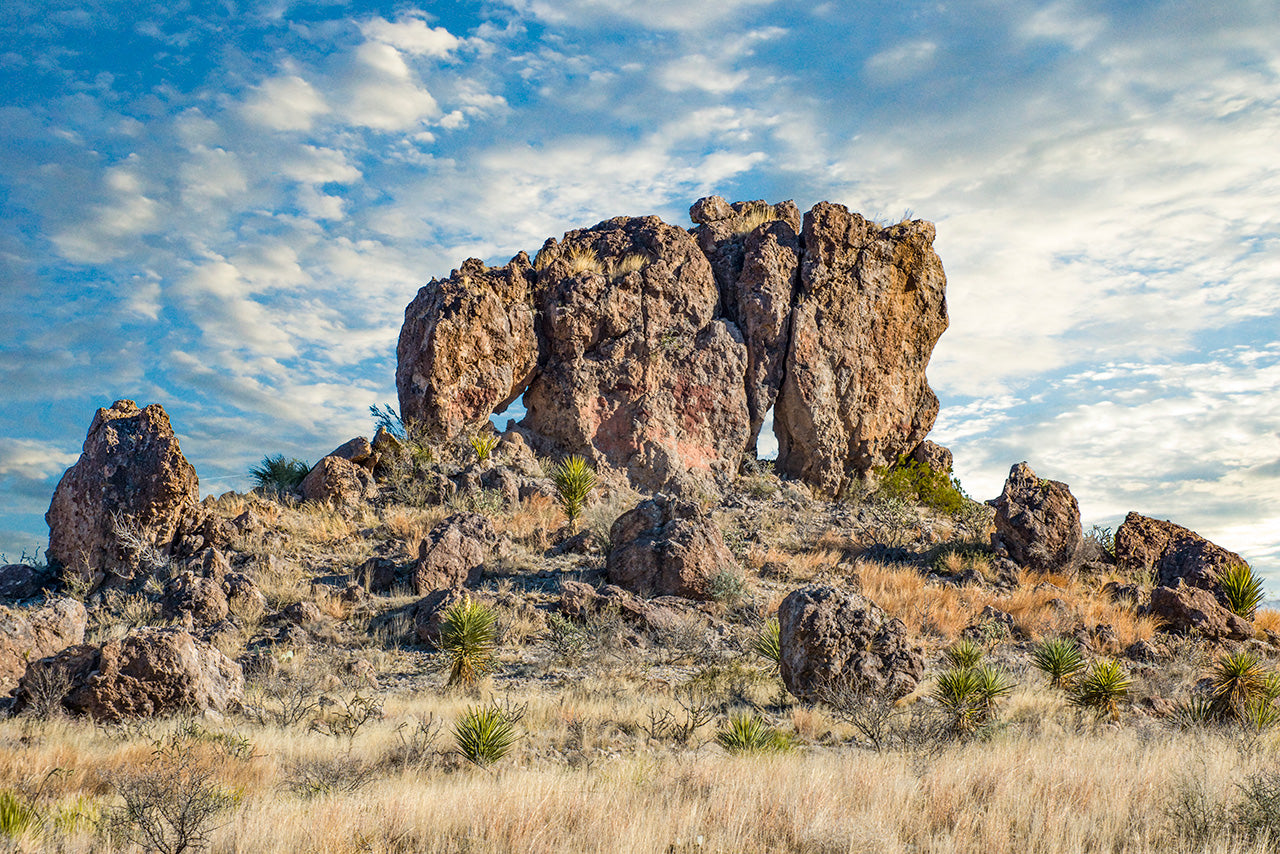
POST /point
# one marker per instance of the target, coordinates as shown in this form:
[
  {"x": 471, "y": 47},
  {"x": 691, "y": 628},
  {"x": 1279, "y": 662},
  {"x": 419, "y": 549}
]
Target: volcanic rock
[
  {"x": 467, "y": 347},
  {"x": 1037, "y": 522},
  {"x": 148, "y": 672},
  {"x": 131, "y": 489},
  {"x": 1191, "y": 610},
  {"x": 831, "y": 637},
  {"x": 22, "y": 581},
  {"x": 935, "y": 456},
  {"x": 667, "y": 547},
  {"x": 1171, "y": 552},
  {"x": 870, "y": 307},
  {"x": 453, "y": 554},
  {"x": 339, "y": 483},
  {"x": 30, "y": 633}
]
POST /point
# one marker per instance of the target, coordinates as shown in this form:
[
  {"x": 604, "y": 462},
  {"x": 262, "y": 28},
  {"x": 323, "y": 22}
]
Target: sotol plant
[
  {"x": 484, "y": 734},
  {"x": 1238, "y": 681},
  {"x": 1102, "y": 688},
  {"x": 748, "y": 734},
  {"x": 768, "y": 643},
  {"x": 279, "y": 474},
  {"x": 483, "y": 444},
  {"x": 574, "y": 480},
  {"x": 468, "y": 636},
  {"x": 968, "y": 696},
  {"x": 1059, "y": 659},
  {"x": 1242, "y": 588}
]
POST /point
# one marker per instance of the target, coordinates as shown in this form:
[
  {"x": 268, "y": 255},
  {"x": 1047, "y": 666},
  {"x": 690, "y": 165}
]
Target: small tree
[{"x": 574, "y": 479}]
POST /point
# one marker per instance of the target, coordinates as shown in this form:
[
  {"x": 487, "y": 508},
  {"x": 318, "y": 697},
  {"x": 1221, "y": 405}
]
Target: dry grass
[
  {"x": 752, "y": 216},
  {"x": 631, "y": 262},
  {"x": 582, "y": 259},
  {"x": 1266, "y": 620}
]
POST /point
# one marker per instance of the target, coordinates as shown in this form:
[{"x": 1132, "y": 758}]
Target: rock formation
[
  {"x": 1171, "y": 552},
  {"x": 658, "y": 354},
  {"x": 1037, "y": 522},
  {"x": 131, "y": 490},
  {"x": 27, "y": 634},
  {"x": 338, "y": 482},
  {"x": 667, "y": 547},
  {"x": 1190, "y": 610},
  {"x": 831, "y": 637},
  {"x": 454, "y": 552}
]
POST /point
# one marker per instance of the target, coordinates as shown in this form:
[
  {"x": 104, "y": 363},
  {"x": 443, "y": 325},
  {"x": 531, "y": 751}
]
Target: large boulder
[
  {"x": 338, "y": 482},
  {"x": 131, "y": 491},
  {"x": 667, "y": 547},
  {"x": 1037, "y": 522},
  {"x": 1184, "y": 609},
  {"x": 149, "y": 671},
  {"x": 871, "y": 305},
  {"x": 27, "y": 634},
  {"x": 467, "y": 348},
  {"x": 754, "y": 250},
  {"x": 831, "y": 637},
  {"x": 454, "y": 553},
  {"x": 638, "y": 374},
  {"x": 1171, "y": 553}
]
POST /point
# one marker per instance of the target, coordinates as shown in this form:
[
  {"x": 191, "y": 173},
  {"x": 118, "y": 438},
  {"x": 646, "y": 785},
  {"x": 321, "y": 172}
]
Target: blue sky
[{"x": 224, "y": 208}]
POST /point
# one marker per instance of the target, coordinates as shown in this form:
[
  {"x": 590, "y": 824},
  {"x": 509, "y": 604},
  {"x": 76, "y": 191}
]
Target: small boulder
[
  {"x": 27, "y": 634},
  {"x": 148, "y": 672},
  {"x": 667, "y": 547},
  {"x": 201, "y": 597},
  {"x": 454, "y": 553},
  {"x": 339, "y": 483},
  {"x": 359, "y": 451},
  {"x": 1171, "y": 552},
  {"x": 378, "y": 574},
  {"x": 1037, "y": 522},
  {"x": 829, "y": 636},
  {"x": 1190, "y": 610},
  {"x": 936, "y": 457},
  {"x": 21, "y": 581},
  {"x": 430, "y": 611}
]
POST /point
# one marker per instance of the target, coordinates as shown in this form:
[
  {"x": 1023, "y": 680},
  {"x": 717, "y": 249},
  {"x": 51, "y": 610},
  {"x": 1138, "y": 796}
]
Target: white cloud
[
  {"x": 411, "y": 35},
  {"x": 33, "y": 459},
  {"x": 106, "y": 234},
  {"x": 698, "y": 71},
  {"x": 901, "y": 62},
  {"x": 383, "y": 93},
  {"x": 285, "y": 103},
  {"x": 676, "y": 15}
]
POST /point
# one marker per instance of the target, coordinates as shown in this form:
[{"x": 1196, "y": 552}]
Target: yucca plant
[
  {"x": 1238, "y": 680},
  {"x": 1102, "y": 687},
  {"x": 748, "y": 734},
  {"x": 1194, "y": 712},
  {"x": 968, "y": 695},
  {"x": 768, "y": 643},
  {"x": 574, "y": 479},
  {"x": 1242, "y": 588},
  {"x": 1059, "y": 659},
  {"x": 1259, "y": 715},
  {"x": 484, "y": 443},
  {"x": 468, "y": 636},
  {"x": 963, "y": 653},
  {"x": 484, "y": 734},
  {"x": 279, "y": 474},
  {"x": 16, "y": 815}
]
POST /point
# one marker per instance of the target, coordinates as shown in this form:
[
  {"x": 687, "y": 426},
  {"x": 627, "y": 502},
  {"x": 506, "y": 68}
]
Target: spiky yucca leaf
[
  {"x": 747, "y": 734},
  {"x": 1238, "y": 679},
  {"x": 1102, "y": 687},
  {"x": 484, "y": 734},
  {"x": 963, "y": 653},
  {"x": 279, "y": 474},
  {"x": 1242, "y": 588},
  {"x": 468, "y": 636},
  {"x": 16, "y": 815},
  {"x": 484, "y": 443},
  {"x": 768, "y": 643},
  {"x": 574, "y": 479},
  {"x": 1059, "y": 659},
  {"x": 968, "y": 695}
]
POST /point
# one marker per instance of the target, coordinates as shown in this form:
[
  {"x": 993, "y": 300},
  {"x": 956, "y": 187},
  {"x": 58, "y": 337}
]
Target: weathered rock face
[
  {"x": 935, "y": 456},
  {"x": 1171, "y": 552},
  {"x": 837, "y": 637},
  {"x": 131, "y": 476},
  {"x": 148, "y": 672},
  {"x": 27, "y": 634},
  {"x": 667, "y": 547},
  {"x": 871, "y": 306},
  {"x": 1190, "y": 610},
  {"x": 467, "y": 347},
  {"x": 1038, "y": 522},
  {"x": 454, "y": 553},
  {"x": 21, "y": 581},
  {"x": 638, "y": 374},
  {"x": 658, "y": 356},
  {"x": 338, "y": 482}
]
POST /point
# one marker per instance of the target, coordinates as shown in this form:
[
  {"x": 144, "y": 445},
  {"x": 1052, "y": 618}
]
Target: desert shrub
[
  {"x": 388, "y": 419},
  {"x": 1195, "y": 817},
  {"x": 963, "y": 653},
  {"x": 574, "y": 479},
  {"x": 468, "y": 636},
  {"x": 1258, "y": 807},
  {"x": 881, "y": 723},
  {"x": 45, "y": 688},
  {"x": 569, "y": 641},
  {"x": 768, "y": 642},
  {"x": 348, "y": 715},
  {"x": 17, "y": 815},
  {"x": 483, "y": 444},
  {"x": 1059, "y": 659},
  {"x": 1101, "y": 541},
  {"x": 968, "y": 696},
  {"x": 912, "y": 480},
  {"x": 1102, "y": 687},
  {"x": 341, "y": 774},
  {"x": 752, "y": 216},
  {"x": 1242, "y": 589},
  {"x": 484, "y": 734},
  {"x": 749, "y": 734},
  {"x": 695, "y": 710},
  {"x": 629, "y": 263},
  {"x": 729, "y": 587},
  {"x": 279, "y": 475}
]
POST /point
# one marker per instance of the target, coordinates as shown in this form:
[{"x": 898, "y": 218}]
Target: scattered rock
[
  {"x": 201, "y": 598},
  {"x": 830, "y": 636},
  {"x": 430, "y": 611},
  {"x": 667, "y": 547},
  {"x": 1037, "y": 522},
  {"x": 358, "y": 451},
  {"x": 1191, "y": 610},
  {"x": 301, "y": 614},
  {"x": 993, "y": 623},
  {"x": 453, "y": 554},
  {"x": 933, "y": 455},
  {"x": 21, "y": 581},
  {"x": 131, "y": 490},
  {"x": 148, "y": 672},
  {"x": 27, "y": 634},
  {"x": 339, "y": 483},
  {"x": 1171, "y": 552},
  {"x": 378, "y": 574},
  {"x": 467, "y": 348},
  {"x": 870, "y": 306}
]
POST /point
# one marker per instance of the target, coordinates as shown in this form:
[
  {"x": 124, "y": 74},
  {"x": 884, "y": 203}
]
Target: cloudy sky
[{"x": 225, "y": 206}]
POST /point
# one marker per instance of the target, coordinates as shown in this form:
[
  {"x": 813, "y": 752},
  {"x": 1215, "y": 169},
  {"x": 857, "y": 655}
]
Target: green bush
[
  {"x": 768, "y": 643},
  {"x": 483, "y": 444},
  {"x": 1059, "y": 659},
  {"x": 484, "y": 734},
  {"x": 748, "y": 734},
  {"x": 1102, "y": 688},
  {"x": 574, "y": 479},
  {"x": 912, "y": 480},
  {"x": 968, "y": 695},
  {"x": 1242, "y": 588},
  {"x": 1238, "y": 680},
  {"x": 279, "y": 474},
  {"x": 468, "y": 637}
]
